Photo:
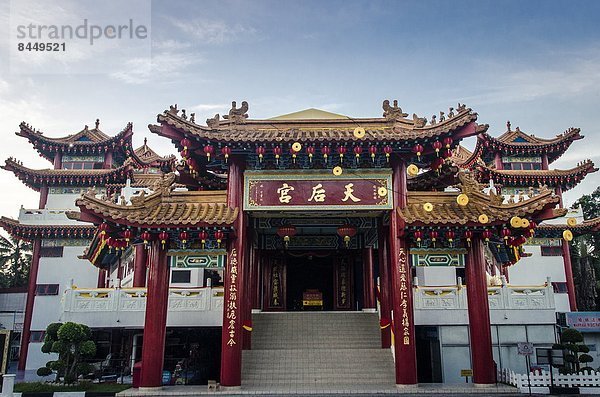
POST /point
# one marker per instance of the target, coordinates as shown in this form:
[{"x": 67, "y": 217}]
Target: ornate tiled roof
[
  {"x": 567, "y": 179},
  {"x": 445, "y": 209},
  {"x": 29, "y": 232},
  {"x": 144, "y": 156},
  {"x": 162, "y": 209},
  {"x": 237, "y": 129},
  {"x": 434, "y": 179},
  {"x": 587, "y": 226},
  {"x": 52, "y": 177},
  {"x": 464, "y": 158},
  {"x": 88, "y": 141},
  {"x": 519, "y": 143}
]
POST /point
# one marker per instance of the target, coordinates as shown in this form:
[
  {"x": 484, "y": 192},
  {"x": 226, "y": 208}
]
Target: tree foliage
[
  {"x": 15, "y": 261},
  {"x": 73, "y": 343},
  {"x": 575, "y": 351}
]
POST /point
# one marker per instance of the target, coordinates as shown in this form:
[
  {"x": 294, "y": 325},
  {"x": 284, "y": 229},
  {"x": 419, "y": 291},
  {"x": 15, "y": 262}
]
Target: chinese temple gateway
[{"x": 387, "y": 217}]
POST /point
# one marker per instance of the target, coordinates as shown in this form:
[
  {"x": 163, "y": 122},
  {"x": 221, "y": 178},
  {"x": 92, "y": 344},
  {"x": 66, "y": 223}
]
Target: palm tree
[{"x": 15, "y": 261}]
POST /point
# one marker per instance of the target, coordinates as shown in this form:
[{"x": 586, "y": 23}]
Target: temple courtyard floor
[{"x": 324, "y": 390}]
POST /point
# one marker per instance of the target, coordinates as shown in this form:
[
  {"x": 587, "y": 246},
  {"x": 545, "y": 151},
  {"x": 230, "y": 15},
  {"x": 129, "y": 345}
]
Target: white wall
[
  {"x": 62, "y": 201},
  {"x": 534, "y": 270},
  {"x": 48, "y": 309}
]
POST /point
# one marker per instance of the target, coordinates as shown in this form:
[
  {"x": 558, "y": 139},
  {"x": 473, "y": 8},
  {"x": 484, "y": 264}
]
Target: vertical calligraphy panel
[{"x": 343, "y": 283}]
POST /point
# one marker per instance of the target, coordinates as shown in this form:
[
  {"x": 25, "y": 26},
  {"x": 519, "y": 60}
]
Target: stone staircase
[{"x": 320, "y": 349}]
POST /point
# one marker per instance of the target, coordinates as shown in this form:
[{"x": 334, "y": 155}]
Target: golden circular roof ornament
[
  {"x": 412, "y": 170},
  {"x": 462, "y": 199},
  {"x": 359, "y": 133},
  {"x": 296, "y": 146},
  {"x": 515, "y": 222},
  {"x": 524, "y": 223},
  {"x": 483, "y": 218},
  {"x": 571, "y": 221},
  {"x": 568, "y": 235},
  {"x": 337, "y": 171},
  {"x": 382, "y": 191},
  {"x": 428, "y": 207}
]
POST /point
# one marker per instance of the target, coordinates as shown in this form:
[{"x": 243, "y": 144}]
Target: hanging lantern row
[
  {"x": 53, "y": 233},
  {"x": 84, "y": 149},
  {"x": 146, "y": 236},
  {"x": 510, "y": 236},
  {"x": 525, "y": 149},
  {"x": 442, "y": 149}
]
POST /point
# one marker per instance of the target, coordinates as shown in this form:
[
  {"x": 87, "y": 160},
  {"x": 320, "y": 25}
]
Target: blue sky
[{"x": 536, "y": 63}]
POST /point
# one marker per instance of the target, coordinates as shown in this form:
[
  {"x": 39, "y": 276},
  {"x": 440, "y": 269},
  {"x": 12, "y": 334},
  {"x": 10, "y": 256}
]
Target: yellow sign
[{"x": 466, "y": 372}]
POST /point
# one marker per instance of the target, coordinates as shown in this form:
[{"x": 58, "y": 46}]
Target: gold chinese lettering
[
  {"x": 283, "y": 191},
  {"x": 348, "y": 194},
  {"x": 318, "y": 194}
]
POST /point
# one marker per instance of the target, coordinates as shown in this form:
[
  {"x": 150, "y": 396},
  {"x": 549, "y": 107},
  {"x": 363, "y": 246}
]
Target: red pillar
[
  {"x": 400, "y": 272},
  {"x": 43, "y": 197},
  {"x": 498, "y": 161},
  {"x": 479, "y": 315},
  {"x": 231, "y": 336},
  {"x": 569, "y": 276},
  {"x": 256, "y": 294},
  {"x": 139, "y": 266},
  {"x": 57, "y": 161},
  {"x": 108, "y": 159},
  {"x": 155, "y": 324},
  {"x": 101, "y": 278},
  {"x": 248, "y": 284},
  {"x": 384, "y": 289},
  {"x": 33, "y": 272},
  {"x": 368, "y": 287}
]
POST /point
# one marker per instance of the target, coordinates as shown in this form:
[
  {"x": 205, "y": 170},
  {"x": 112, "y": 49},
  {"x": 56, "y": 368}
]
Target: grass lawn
[{"x": 31, "y": 387}]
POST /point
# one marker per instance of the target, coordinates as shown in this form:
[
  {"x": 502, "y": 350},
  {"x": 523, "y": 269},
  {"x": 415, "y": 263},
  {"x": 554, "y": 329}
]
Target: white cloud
[
  {"x": 166, "y": 66},
  {"x": 171, "y": 45},
  {"x": 213, "y": 32},
  {"x": 207, "y": 107}
]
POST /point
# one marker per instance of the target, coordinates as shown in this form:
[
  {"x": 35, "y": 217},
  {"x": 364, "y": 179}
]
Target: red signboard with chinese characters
[{"x": 353, "y": 190}]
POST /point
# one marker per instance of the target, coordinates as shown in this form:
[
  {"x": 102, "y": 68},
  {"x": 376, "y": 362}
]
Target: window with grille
[
  {"x": 46, "y": 289},
  {"x": 551, "y": 251},
  {"x": 51, "y": 252},
  {"x": 181, "y": 276}
]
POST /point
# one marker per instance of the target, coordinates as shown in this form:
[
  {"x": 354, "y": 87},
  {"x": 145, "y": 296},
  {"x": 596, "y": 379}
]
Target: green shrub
[{"x": 44, "y": 371}]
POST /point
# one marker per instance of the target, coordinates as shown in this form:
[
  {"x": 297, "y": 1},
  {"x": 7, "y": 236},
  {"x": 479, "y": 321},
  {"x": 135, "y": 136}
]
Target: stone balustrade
[{"x": 107, "y": 307}]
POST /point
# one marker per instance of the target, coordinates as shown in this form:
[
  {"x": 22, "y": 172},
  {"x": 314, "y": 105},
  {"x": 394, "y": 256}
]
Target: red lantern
[
  {"x": 448, "y": 142},
  {"x": 310, "y": 150},
  {"x": 418, "y": 236},
  {"x": 418, "y": 150},
  {"x": 185, "y": 143},
  {"x": 468, "y": 236},
  {"x": 203, "y": 236},
  {"x": 326, "y": 152},
  {"x": 450, "y": 236},
  {"x": 506, "y": 234},
  {"x": 387, "y": 149},
  {"x": 226, "y": 151},
  {"x": 183, "y": 236},
  {"x": 357, "y": 153},
  {"x": 146, "y": 236},
  {"x": 434, "y": 235},
  {"x": 127, "y": 235},
  {"x": 110, "y": 242},
  {"x": 532, "y": 226},
  {"x": 208, "y": 150},
  {"x": 286, "y": 232},
  {"x": 219, "y": 236},
  {"x": 341, "y": 151},
  {"x": 346, "y": 232},
  {"x": 436, "y": 164},
  {"x": 185, "y": 153},
  {"x": 163, "y": 237},
  {"x": 103, "y": 227},
  {"x": 277, "y": 152},
  {"x": 487, "y": 235},
  {"x": 260, "y": 151},
  {"x": 437, "y": 145},
  {"x": 373, "y": 152},
  {"x": 191, "y": 162}
]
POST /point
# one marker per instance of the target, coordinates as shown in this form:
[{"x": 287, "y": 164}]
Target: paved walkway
[{"x": 423, "y": 389}]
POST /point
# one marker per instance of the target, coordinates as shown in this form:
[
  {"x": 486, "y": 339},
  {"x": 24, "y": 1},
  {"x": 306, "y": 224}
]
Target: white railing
[
  {"x": 45, "y": 217},
  {"x": 542, "y": 379},
  {"x": 502, "y": 297},
  {"x": 127, "y": 306}
]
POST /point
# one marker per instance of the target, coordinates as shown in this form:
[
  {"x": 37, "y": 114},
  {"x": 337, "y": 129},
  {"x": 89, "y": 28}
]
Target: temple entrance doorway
[{"x": 310, "y": 282}]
